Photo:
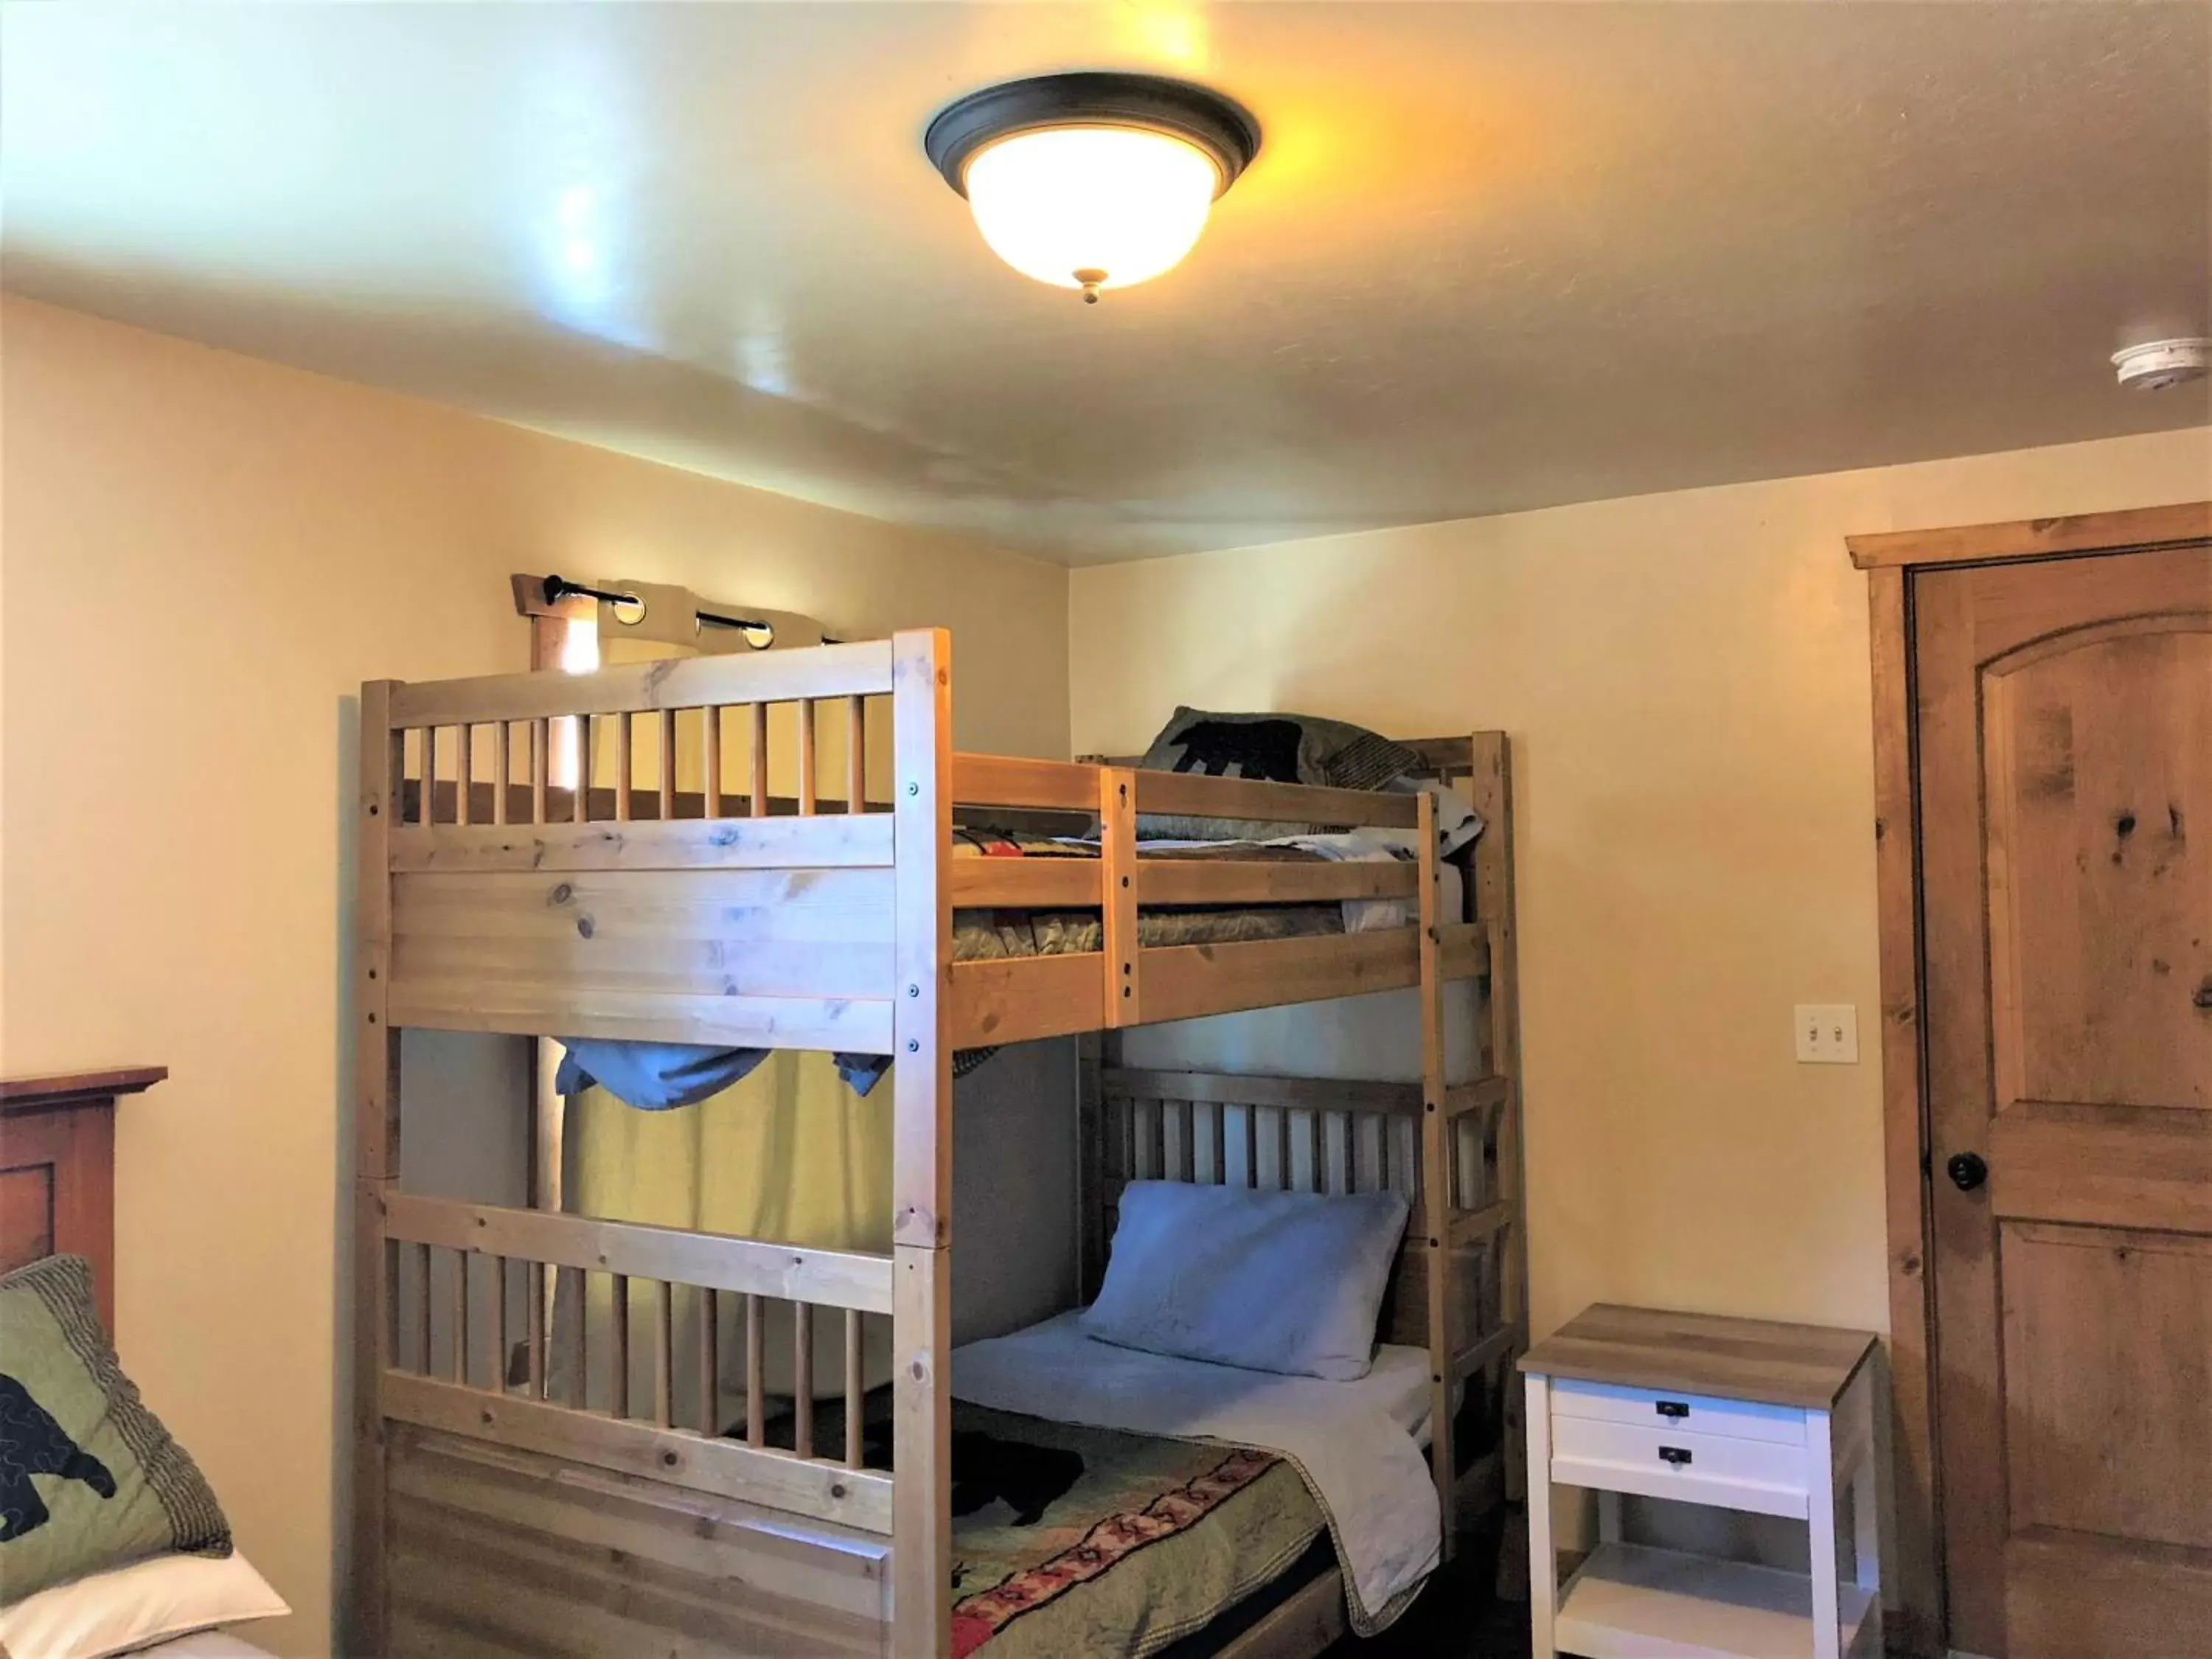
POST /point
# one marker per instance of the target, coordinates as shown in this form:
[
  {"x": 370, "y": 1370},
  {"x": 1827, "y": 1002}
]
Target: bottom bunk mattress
[{"x": 1122, "y": 1534}]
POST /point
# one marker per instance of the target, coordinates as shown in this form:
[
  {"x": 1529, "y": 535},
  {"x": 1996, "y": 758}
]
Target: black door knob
[{"x": 1968, "y": 1170}]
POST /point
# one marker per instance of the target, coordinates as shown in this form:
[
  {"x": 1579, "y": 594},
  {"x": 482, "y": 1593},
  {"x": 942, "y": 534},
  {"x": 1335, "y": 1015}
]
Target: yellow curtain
[{"x": 789, "y": 1155}]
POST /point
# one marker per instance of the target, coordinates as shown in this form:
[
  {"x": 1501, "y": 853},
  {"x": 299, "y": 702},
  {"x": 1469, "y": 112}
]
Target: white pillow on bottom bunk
[
  {"x": 126, "y": 1608},
  {"x": 1272, "y": 1281}
]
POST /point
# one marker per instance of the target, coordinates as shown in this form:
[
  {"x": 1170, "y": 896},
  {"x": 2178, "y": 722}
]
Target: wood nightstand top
[{"x": 1804, "y": 1366}]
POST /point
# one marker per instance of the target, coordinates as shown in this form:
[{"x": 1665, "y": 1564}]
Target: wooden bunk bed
[{"x": 679, "y": 906}]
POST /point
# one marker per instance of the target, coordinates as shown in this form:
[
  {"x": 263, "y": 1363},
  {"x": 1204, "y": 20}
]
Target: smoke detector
[{"x": 2157, "y": 364}]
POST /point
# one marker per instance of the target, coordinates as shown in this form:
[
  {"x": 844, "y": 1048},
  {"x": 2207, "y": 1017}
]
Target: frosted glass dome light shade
[
  {"x": 1091, "y": 207},
  {"x": 1091, "y": 181}
]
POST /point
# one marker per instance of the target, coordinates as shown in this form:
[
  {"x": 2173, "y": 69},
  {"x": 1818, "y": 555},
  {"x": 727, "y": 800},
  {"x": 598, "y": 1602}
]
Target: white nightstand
[{"x": 1738, "y": 1413}]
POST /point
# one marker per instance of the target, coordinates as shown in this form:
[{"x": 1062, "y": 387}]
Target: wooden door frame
[{"x": 1890, "y": 561}]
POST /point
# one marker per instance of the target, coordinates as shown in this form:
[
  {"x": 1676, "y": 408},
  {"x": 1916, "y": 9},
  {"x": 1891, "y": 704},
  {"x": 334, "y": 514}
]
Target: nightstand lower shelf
[{"x": 1627, "y": 1602}]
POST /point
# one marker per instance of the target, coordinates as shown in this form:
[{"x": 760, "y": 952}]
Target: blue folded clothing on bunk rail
[{"x": 656, "y": 1075}]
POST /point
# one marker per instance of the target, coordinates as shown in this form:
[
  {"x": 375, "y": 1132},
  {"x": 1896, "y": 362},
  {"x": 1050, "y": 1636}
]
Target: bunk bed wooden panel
[
  {"x": 819, "y": 1490},
  {"x": 498, "y": 1551},
  {"x": 1035, "y": 785},
  {"x": 1046, "y": 884},
  {"x": 839, "y": 1025},
  {"x": 1014, "y": 1000},
  {"x": 829, "y": 670},
  {"x": 1210, "y": 882},
  {"x": 1196, "y": 794},
  {"x": 1187, "y": 982}
]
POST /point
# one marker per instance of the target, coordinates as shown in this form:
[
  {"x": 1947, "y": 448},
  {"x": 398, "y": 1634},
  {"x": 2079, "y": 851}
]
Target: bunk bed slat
[
  {"x": 802, "y": 1379},
  {"x": 1026, "y": 883},
  {"x": 499, "y": 1349},
  {"x": 856, "y": 754},
  {"x": 534, "y": 1327},
  {"x": 426, "y": 796},
  {"x": 422, "y": 1312},
  {"x": 579, "y": 1355},
  {"x": 647, "y": 844},
  {"x": 618, "y": 1345},
  {"x": 667, "y": 764},
  {"x": 1033, "y": 785},
  {"x": 809, "y": 763},
  {"x": 710, "y": 1360},
  {"x": 827, "y": 1492},
  {"x": 855, "y": 1390},
  {"x": 1226, "y": 882},
  {"x": 711, "y": 762},
  {"x": 834, "y": 1278},
  {"x": 755, "y": 1372},
  {"x": 579, "y": 788},
  {"x": 625, "y": 765},
  {"x": 759, "y": 774},
  {"x": 541, "y": 767},
  {"x": 1195, "y": 794},
  {"x": 664, "y": 1354}
]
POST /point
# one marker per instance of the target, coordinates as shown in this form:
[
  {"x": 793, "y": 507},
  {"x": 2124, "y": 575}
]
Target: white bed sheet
[
  {"x": 203, "y": 1644},
  {"x": 1355, "y": 1442}
]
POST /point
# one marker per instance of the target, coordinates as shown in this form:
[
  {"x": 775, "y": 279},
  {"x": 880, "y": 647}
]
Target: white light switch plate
[{"x": 1828, "y": 1033}]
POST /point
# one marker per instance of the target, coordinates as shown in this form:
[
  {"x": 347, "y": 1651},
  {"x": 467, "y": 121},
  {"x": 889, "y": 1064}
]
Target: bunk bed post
[
  {"x": 1093, "y": 1051},
  {"x": 921, "y": 1157},
  {"x": 1491, "y": 786},
  {"x": 376, "y": 1154},
  {"x": 1439, "y": 1196}
]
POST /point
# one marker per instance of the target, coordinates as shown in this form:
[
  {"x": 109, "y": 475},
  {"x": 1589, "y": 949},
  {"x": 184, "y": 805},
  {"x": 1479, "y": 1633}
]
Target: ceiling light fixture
[{"x": 1091, "y": 181}]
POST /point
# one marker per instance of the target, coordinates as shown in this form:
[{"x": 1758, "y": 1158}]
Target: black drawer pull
[
  {"x": 1678, "y": 1455},
  {"x": 1674, "y": 1408}
]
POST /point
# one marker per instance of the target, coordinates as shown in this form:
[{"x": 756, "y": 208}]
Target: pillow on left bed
[
  {"x": 88, "y": 1477},
  {"x": 127, "y": 1608}
]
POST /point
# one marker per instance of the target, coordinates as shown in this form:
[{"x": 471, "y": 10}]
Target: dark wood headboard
[{"x": 57, "y": 1169}]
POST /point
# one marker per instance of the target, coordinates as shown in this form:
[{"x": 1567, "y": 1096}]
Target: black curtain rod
[{"x": 558, "y": 588}]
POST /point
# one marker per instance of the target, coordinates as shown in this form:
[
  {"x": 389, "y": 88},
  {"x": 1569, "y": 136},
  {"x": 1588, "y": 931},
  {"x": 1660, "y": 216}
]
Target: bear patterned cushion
[
  {"x": 88, "y": 1477},
  {"x": 1273, "y": 748}
]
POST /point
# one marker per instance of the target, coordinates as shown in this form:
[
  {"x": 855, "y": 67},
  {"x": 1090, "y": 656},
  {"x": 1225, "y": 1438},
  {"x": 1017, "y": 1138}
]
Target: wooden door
[{"x": 2064, "y": 713}]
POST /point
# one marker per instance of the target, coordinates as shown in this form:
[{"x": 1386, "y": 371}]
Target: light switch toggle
[{"x": 1827, "y": 1033}]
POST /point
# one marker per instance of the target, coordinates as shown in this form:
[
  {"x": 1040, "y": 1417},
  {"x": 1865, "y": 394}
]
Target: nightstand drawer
[
  {"x": 1737, "y": 1420},
  {"x": 1698, "y": 1468}
]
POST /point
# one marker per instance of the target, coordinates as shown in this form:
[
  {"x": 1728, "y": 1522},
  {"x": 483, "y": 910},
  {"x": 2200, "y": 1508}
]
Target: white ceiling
[{"x": 1491, "y": 256}]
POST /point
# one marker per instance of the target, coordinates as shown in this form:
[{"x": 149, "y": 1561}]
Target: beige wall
[
  {"x": 204, "y": 555},
  {"x": 1685, "y": 680}
]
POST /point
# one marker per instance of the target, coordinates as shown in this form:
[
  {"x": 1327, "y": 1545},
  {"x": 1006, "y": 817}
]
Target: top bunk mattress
[{"x": 982, "y": 934}]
